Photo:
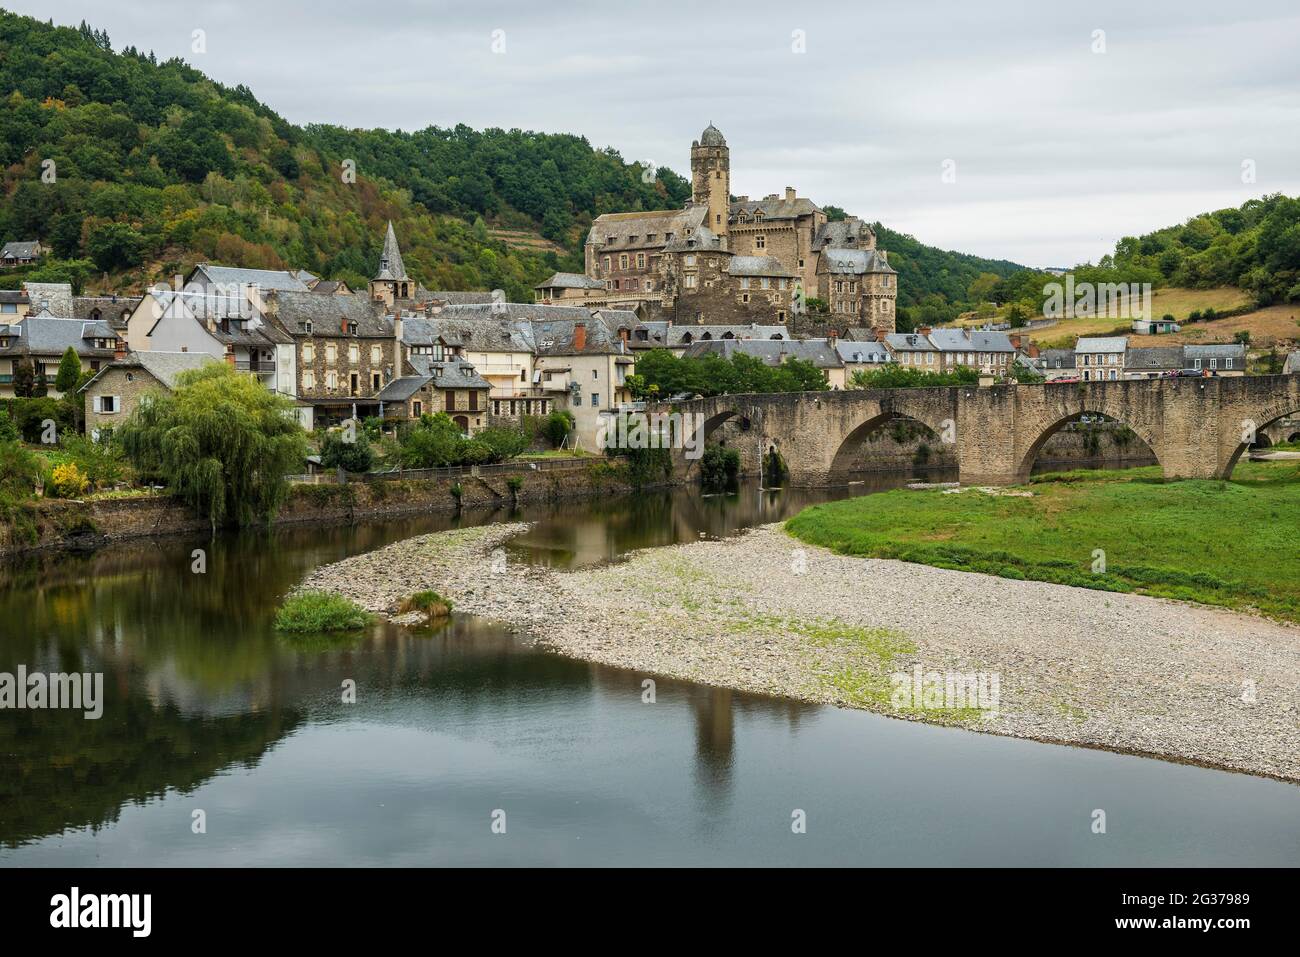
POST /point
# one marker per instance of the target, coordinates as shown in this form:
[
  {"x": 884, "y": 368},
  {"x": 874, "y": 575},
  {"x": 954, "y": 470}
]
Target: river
[{"x": 210, "y": 718}]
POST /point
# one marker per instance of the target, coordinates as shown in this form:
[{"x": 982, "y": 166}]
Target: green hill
[{"x": 154, "y": 167}]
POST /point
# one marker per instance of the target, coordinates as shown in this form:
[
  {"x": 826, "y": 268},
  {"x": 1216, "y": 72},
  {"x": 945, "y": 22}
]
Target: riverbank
[
  {"x": 46, "y": 524},
  {"x": 762, "y": 613},
  {"x": 1221, "y": 543}
]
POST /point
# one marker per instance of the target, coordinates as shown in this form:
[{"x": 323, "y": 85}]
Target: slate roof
[
  {"x": 21, "y": 250},
  {"x": 450, "y": 373},
  {"x": 909, "y": 342},
  {"x": 816, "y": 351},
  {"x": 1153, "y": 357},
  {"x": 700, "y": 239},
  {"x": 853, "y": 262},
  {"x": 473, "y": 297},
  {"x": 712, "y": 136},
  {"x": 663, "y": 335},
  {"x": 163, "y": 366},
  {"x": 266, "y": 280},
  {"x": 1224, "y": 350},
  {"x": 846, "y": 233},
  {"x": 758, "y": 266},
  {"x": 45, "y": 336},
  {"x": 858, "y": 352},
  {"x": 971, "y": 340},
  {"x": 110, "y": 308},
  {"x": 329, "y": 315},
  {"x": 613, "y": 318},
  {"x": 390, "y": 260},
  {"x": 772, "y": 207},
  {"x": 1062, "y": 358},
  {"x": 1101, "y": 344},
  {"x": 613, "y": 229},
  {"x": 490, "y": 334},
  {"x": 16, "y": 296},
  {"x": 570, "y": 280},
  {"x": 399, "y": 390}
]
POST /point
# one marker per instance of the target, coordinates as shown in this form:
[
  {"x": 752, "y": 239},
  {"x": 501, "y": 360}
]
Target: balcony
[{"x": 260, "y": 366}]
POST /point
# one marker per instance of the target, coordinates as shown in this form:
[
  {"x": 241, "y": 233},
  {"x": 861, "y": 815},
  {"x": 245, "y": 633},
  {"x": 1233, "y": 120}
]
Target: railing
[
  {"x": 332, "y": 477},
  {"x": 254, "y": 365}
]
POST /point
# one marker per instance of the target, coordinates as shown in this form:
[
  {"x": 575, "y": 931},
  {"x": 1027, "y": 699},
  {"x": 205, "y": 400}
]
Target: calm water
[{"x": 207, "y": 710}]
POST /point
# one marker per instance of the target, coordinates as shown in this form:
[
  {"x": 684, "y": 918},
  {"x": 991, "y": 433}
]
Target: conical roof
[
  {"x": 390, "y": 260},
  {"x": 712, "y": 136}
]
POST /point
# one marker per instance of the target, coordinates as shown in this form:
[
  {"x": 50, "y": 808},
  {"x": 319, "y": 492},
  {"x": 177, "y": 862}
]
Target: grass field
[{"x": 1220, "y": 543}]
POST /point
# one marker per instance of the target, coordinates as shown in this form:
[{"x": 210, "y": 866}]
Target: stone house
[
  {"x": 914, "y": 350},
  {"x": 1100, "y": 358},
  {"x": 43, "y": 341},
  {"x": 115, "y": 391},
  {"x": 858, "y": 285},
  {"x": 865, "y": 355},
  {"x": 1223, "y": 359},
  {"x": 992, "y": 353},
  {"x": 21, "y": 253},
  {"x": 1148, "y": 362},
  {"x": 432, "y": 386}
]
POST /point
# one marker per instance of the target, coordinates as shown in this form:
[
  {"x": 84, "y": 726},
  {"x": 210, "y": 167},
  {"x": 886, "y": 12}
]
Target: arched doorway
[{"x": 462, "y": 423}]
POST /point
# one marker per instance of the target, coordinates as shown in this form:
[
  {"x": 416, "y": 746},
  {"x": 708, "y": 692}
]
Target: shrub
[
  {"x": 68, "y": 481},
  {"x": 317, "y": 611},
  {"x": 20, "y": 470},
  {"x": 504, "y": 442},
  {"x": 719, "y": 467},
  {"x": 354, "y": 456},
  {"x": 557, "y": 426},
  {"x": 102, "y": 462},
  {"x": 430, "y": 603},
  {"x": 8, "y": 431},
  {"x": 69, "y": 371}
]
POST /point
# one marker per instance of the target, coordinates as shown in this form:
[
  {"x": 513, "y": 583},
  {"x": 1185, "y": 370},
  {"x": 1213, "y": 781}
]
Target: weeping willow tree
[{"x": 221, "y": 441}]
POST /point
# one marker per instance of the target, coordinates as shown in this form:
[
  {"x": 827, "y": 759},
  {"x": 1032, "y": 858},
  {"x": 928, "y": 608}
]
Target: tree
[
  {"x": 433, "y": 442},
  {"x": 221, "y": 441},
  {"x": 115, "y": 246},
  {"x": 24, "y": 378},
  {"x": 557, "y": 426},
  {"x": 351, "y": 456},
  {"x": 41, "y": 387},
  {"x": 69, "y": 371}
]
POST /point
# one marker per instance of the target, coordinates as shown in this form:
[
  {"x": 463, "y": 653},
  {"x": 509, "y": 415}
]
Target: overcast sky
[{"x": 1057, "y": 150}]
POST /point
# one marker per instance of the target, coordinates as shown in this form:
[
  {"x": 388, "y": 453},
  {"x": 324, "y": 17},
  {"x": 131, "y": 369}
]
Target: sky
[{"x": 1039, "y": 133}]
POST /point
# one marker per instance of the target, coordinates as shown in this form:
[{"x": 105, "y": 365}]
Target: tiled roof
[
  {"x": 264, "y": 279},
  {"x": 971, "y": 340},
  {"x": 700, "y": 239},
  {"x": 20, "y": 250},
  {"x": 851, "y": 351},
  {"x": 1149, "y": 357},
  {"x": 390, "y": 260},
  {"x": 329, "y": 315},
  {"x": 473, "y": 297},
  {"x": 570, "y": 280},
  {"x": 853, "y": 262},
  {"x": 163, "y": 366},
  {"x": 909, "y": 342},
  {"x": 758, "y": 266},
  {"x": 44, "y": 336},
  {"x": 816, "y": 351},
  {"x": 846, "y": 233},
  {"x": 1229, "y": 350},
  {"x": 1101, "y": 344},
  {"x": 613, "y": 229},
  {"x": 772, "y": 207},
  {"x": 1060, "y": 358}
]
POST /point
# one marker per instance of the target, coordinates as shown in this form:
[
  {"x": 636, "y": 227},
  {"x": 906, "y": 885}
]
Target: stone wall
[{"x": 68, "y": 524}]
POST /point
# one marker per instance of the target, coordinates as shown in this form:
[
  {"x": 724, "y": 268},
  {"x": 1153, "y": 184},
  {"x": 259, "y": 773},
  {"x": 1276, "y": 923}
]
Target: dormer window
[
  {"x": 306, "y": 327},
  {"x": 352, "y": 328}
]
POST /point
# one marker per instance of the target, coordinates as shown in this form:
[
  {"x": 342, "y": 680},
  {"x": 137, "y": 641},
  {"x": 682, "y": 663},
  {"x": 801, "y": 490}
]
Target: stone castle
[{"x": 724, "y": 260}]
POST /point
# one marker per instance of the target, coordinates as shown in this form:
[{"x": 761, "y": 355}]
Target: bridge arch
[
  {"x": 1027, "y": 461},
  {"x": 849, "y": 448},
  {"x": 750, "y": 458},
  {"x": 1257, "y": 423}
]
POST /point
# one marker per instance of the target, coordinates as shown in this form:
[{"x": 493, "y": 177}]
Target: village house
[
  {"x": 42, "y": 341},
  {"x": 1223, "y": 359},
  {"x": 14, "y": 305},
  {"x": 991, "y": 353},
  {"x": 1154, "y": 327},
  {"x": 913, "y": 350},
  {"x": 1099, "y": 358},
  {"x": 864, "y": 354},
  {"x": 115, "y": 391},
  {"x": 1152, "y": 362},
  {"x": 21, "y": 253},
  {"x": 1056, "y": 364}
]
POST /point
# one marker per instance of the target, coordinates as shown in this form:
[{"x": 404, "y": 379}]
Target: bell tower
[{"x": 711, "y": 179}]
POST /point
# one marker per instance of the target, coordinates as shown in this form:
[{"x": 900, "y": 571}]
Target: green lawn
[{"x": 1224, "y": 543}]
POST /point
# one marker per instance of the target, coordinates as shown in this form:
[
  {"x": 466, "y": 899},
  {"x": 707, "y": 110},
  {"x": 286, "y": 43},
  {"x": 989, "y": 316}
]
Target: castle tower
[
  {"x": 711, "y": 179},
  {"x": 391, "y": 282}
]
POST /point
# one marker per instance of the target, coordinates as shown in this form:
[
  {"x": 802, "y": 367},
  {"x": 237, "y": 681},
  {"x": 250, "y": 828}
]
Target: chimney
[
  {"x": 925, "y": 330},
  {"x": 1015, "y": 340},
  {"x": 397, "y": 342},
  {"x": 119, "y": 350},
  {"x": 579, "y": 336},
  {"x": 789, "y": 193},
  {"x": 832, "y": 337},
  {"x": 230, "y": 356}
]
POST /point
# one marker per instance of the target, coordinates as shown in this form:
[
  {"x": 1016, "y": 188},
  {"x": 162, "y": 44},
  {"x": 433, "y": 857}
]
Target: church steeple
[{"x": 391, "y": 282}]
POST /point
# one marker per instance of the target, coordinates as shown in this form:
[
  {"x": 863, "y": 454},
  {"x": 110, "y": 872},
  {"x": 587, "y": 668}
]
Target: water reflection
[{"x": 206, "y": 707}]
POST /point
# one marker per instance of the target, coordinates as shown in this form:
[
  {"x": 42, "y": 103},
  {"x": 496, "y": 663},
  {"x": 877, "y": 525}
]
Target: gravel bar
[{"x": 761, "y": 612}]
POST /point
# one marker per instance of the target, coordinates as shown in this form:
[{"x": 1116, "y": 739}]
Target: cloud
[{"x": 1059, "y": 150}]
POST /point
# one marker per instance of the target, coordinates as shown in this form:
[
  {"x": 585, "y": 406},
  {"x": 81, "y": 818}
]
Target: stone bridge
[{"x": 1195, "y": 427}]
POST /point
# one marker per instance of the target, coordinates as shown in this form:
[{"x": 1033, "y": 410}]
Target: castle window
[
  {"x": 649, "y": 284},
  {"x": 758, "y": 217},
  {"x": 376, "y": 355},
  {"x": 606, "y": 264},
  {"x": 331, "y": 379},
  {"x": 718, "y": 219},
  {"x": 744, "y": 297},
  {"x": 640, "y": 260},
  {"x": 765, "y": 283},
  {"x": 760, "y": 242},
  {"x": 331, "y": 353},
  {"x": 622, "y": 261},
  {"x": 886, "y": 282},
  {"x": 668, "y": 237},
  {"x": 306, "y": 327},
  {"x": 308, "y": 353},
  {"x": 744, "y": 282},
  {"x": 690, "y": 260},
  {"x": 649, "y": 237},
  {"x": 690, "y": 282}
]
